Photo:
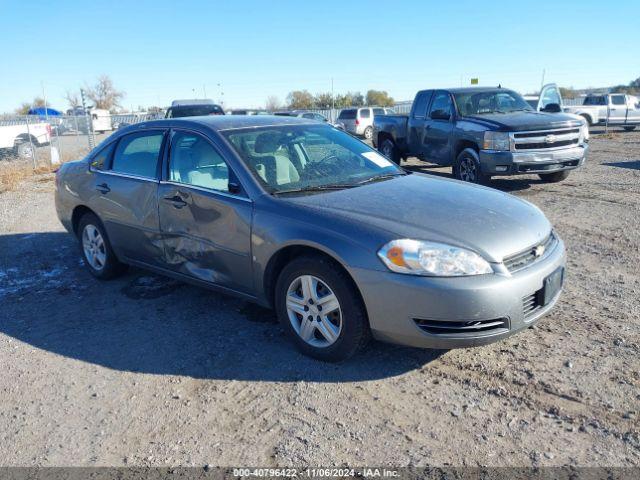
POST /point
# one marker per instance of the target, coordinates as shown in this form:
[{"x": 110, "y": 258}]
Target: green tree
[
  {"x": 24, "y": 107},
  {"x": 300, "y": 99},
  {"x": 323, "y": 100},
  {"x": 379, "y": 98}
]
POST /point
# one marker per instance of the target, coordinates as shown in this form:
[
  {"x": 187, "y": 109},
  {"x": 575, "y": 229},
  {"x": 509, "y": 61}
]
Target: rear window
[
  {"x": 595, "y": 100},
  {"x": 347, "y": 114},
  {"x": 194, "y": 111}
]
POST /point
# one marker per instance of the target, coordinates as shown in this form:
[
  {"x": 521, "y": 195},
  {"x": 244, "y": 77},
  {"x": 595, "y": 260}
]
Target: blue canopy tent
[{"x": 43, "y": 112}]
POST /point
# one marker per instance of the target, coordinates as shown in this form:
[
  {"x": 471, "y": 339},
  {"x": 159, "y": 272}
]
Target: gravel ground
[{"x": 148, "y": 371}]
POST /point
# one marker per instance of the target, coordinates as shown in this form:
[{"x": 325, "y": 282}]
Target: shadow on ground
[
  {"x": 632, "y": 164},
  {"x": 148, "y": 324}
]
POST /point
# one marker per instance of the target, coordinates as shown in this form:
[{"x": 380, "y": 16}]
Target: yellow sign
[{"x": 474, "y": 81}]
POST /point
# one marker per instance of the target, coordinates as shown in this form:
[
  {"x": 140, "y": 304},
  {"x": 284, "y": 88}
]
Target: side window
[
  {"x": 308, "y": 115},
  {"x": 137, "y": 154},
  {"x": 195, "y": 162},
  {"x": 550, "y": 96},
  {"x": 422, "y": 100},
  {"x": 378, "y": 111},
  {"x": 365, "y": 113},
  {"x": 441, "y": 107},
  {"x": 100, "y": 161},
  {"x": 617, "y": 99}
]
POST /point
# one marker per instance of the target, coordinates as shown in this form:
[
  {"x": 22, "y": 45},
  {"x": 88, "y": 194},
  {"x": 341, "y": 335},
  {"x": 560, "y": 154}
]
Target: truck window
[
  {"x": 441, "y": 104},
  {"x": 422, "y": 100},
  {"x": 595, "y": 100},
  {"x": 617, "y": 100},
  {"x": 365, "y": 113}
]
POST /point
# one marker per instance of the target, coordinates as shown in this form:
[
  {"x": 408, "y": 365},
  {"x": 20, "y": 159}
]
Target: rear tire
[
  {"x": 96, "y": 249},
  {"x": 467, "y": 168},
  {"x": 24, "y": 149},
  {"x": 629, "y": 128},
  {"x": 351, "y": 332},
  {"x": 388, "y": 148},
  {"x": 554, "y": 177},
  {"x": 368, "y": 133}
]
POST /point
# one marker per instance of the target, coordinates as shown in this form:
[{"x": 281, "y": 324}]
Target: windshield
[
  {"x": 492, "y": 101},
  {"x": 306, "y": 157},
  {"x": 194, "y": 111}
]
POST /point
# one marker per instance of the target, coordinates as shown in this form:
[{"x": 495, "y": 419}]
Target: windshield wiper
[
  {"x": 381, "y": 177},
  {"x": 316, "y": 188}
]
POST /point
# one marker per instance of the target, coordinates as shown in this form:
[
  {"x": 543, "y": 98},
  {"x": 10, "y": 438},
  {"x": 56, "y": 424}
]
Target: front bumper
[
  {"x": 533, "y": 161},
  {"x": 397, "y": 304}
]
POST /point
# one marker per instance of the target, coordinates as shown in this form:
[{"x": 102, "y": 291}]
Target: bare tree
[
  {"x": 24, "y": 107},
  {"x": 72, "y": 98},
  {"x": 103, "y": 94},
  {"x": 273, "y": 103}
]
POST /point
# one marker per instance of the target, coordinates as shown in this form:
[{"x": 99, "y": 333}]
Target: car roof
[
  {"x": 184, "y": 103},
  {"x": 472, "y": 89},
  {"x": 225, "y": 122}
]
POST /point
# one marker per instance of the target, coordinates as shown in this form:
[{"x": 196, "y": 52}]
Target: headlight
[
  {"x": 496, "y": 141},
  {"x": 416, "y": 257}
]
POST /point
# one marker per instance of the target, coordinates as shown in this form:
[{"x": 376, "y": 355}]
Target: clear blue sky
[{"x": 158, "y": 50}]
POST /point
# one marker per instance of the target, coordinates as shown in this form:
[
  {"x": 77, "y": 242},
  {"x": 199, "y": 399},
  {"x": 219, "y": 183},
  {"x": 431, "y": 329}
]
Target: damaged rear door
[{"x": 205, "y": 218}]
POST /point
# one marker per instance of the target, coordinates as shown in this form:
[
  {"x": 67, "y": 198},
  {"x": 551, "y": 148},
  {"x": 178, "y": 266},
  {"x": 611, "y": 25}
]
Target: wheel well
[
  {"x": 587, "y": 118},
  {"x": 77, "y": 214},
  {"x": 383, "y": 136},
  {"x": 284, "y": 256},
  {"x": 462, "y": 144},
  {"x": 24, "y": 138}
]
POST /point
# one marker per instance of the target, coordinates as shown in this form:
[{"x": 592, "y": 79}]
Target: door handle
[
  {"x": 176, "y": 201},
  {"x": 103, "y": 188}
]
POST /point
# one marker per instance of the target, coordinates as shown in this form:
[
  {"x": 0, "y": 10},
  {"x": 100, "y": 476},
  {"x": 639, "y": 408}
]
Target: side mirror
[
  {"x": 552, "y": 108},
  {"x": 233, "y": 188},
  {"x": 440, "y": 115}
]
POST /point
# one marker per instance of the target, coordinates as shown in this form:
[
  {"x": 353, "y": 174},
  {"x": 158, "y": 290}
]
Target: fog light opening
[{"x": 502, "y": 168}]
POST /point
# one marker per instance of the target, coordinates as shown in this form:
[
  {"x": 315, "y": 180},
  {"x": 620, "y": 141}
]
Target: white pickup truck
[
  {"x": 20, "y": 138},
  {"x": 615, "y": 109}
]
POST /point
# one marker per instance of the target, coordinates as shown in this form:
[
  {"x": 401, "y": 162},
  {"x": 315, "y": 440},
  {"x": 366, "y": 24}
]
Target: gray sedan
[{"x": 301, "y": 217}]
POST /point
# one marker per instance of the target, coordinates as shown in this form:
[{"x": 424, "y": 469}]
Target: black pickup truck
[{"x": 484, "y": 132}]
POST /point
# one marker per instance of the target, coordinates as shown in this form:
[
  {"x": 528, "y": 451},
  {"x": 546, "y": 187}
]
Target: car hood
[
  {"x": 425, "y": 207},
  {"x": 519, "y": 121}
]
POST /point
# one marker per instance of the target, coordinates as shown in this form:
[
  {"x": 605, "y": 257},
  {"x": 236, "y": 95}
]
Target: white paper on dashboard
[{"x": 378, "y": 159}]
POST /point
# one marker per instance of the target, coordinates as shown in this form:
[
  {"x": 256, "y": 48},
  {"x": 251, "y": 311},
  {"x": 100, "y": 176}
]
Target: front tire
[
  {"x": 467, "y": 168},
  {"x": 96, "y": 249},
  {"x": 368, "y": 133},
  {"x": 388, "y": 148},
  {"x": 554, "y": 177},
  {"x": 24, "y": 149},
  {"x": 320, "y": 309}
]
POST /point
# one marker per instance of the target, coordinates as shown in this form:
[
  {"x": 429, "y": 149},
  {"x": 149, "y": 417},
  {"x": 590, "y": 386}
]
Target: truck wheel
[
  {"x": 388, "y": 148},
  {"x": 368, "y": 133},
  {"x": 24, "y": 150},
  {"x": 629, "y": 128},
  {"x": 467, "y": 168},
  {"x": 554, "y": 177}
]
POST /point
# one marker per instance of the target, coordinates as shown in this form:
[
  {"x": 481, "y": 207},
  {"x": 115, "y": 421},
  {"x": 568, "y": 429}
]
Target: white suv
[{"x": 359, "y": 121}]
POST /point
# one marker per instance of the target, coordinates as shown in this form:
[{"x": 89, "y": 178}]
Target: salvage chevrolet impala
[{"x": 299, "y": 216}]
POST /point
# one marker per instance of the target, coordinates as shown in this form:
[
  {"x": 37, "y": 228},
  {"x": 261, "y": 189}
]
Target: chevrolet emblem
[
  {"x": 539, "y": 251},
  {"x": 550, "y": 139}
]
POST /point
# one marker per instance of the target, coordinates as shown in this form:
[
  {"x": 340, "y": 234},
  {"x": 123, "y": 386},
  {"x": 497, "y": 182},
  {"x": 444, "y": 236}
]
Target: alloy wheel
[
  {"x": 314, "y": 311},
  {"x": 468, "y": 170},
  {"x": 94, "y": 248}
]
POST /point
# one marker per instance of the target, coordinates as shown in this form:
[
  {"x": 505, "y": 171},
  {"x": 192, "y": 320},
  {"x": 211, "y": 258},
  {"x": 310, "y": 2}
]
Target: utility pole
[
  {"x": 89, "y": 123},
  {"x": 542, "y": 81},
  {"x": 333, "y": 103},
  {"x": 44, "y": 98},
  {"x": 204, "y": 91}
]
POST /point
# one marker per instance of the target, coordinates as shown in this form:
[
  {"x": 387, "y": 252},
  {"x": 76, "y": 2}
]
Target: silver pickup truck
[{"x": 615, "y": 109}]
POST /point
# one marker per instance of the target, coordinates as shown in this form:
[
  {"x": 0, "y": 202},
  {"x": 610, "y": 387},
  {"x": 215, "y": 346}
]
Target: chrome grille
[
  {"x": 545, "y": 139},
  {"x": 523, "y": 259}
]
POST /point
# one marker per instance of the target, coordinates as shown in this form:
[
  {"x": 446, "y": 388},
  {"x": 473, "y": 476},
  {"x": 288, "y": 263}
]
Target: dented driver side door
[{"x": 205, "y": 218}]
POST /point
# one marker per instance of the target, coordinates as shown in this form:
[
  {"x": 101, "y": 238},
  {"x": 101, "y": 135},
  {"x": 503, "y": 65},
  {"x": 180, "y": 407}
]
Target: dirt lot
[{"x": 147, "y": 371}]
